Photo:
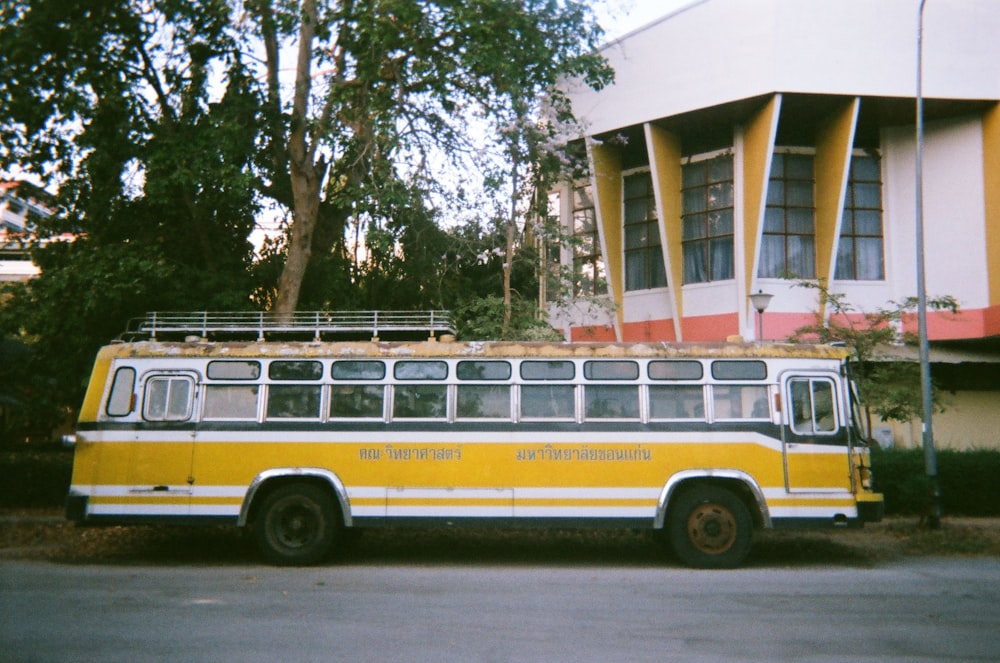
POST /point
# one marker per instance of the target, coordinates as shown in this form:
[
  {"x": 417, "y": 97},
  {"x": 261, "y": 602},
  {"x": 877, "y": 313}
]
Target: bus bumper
[
  {"x": 76, "y": 507},
  {"x": 871, "y": 508}
]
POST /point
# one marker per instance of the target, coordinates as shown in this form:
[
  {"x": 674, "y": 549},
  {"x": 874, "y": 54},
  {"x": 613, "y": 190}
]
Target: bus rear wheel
[
  {"x": 710, "y": 528},
  {"x": 296, "y": 525}
]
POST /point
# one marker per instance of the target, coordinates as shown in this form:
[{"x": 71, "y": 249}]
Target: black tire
[
  {"x": 710, "y": 528},
  {"x": 296, "y": 525}
]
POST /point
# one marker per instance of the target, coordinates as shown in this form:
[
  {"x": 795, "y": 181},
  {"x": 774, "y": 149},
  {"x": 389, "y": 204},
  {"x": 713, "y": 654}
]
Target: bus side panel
[
  {"x": 96, "y": 388},
  {"x": 536, "y": 475}
]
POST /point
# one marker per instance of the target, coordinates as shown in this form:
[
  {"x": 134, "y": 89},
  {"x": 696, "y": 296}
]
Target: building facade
[
  {"x": 22, "y": 205},
  {"x": 750, "y": 147}
]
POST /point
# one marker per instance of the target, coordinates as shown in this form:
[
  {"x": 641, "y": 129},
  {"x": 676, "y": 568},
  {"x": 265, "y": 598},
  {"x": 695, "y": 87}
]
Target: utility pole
[{"x": 927, "y": 438}]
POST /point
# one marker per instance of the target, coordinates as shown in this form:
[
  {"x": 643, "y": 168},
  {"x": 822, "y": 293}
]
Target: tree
[
  {"x": 167, "y": 127},
  {"x": 889, "y": 389},
  {"x": 380, "y": 85},
  {"x": 115, "y": 102}
]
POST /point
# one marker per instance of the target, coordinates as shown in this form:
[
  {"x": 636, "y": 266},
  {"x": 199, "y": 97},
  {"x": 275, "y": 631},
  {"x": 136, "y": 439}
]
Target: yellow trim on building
[
  {"x": 991, "y": 186},
  {"x": 832, "y": 165},
  {"x": 606, "y": 166},
  {"x": 665, "y": 163},
  {"x": 758, "y": 148}
]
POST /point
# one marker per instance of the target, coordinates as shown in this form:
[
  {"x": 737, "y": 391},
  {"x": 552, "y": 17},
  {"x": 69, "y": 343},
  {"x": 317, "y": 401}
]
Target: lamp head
[{"x": 759, "y": 300}]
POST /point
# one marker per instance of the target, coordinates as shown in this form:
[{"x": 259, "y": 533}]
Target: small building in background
[{"x": 22, "y": 206}]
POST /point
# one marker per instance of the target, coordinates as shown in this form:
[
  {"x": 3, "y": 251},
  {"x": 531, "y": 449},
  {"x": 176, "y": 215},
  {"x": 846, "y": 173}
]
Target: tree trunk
[
  {"x": 305, "y": 171},
  {"x": 305, "y": 190},
  {"x": 508, "y": 263}
]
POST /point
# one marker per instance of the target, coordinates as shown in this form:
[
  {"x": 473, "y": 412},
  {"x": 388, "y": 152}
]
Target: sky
[{"x": 619, "y": 17}]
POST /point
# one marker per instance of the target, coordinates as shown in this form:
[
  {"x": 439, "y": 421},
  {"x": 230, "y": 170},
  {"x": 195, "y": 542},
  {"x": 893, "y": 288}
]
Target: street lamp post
[
  {"x": 930, "y": 456},
  {"x": 759, "y": 300}
]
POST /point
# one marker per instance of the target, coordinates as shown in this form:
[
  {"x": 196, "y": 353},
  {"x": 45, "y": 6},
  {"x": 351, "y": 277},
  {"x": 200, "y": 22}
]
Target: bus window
[
  {"x": 122, "y": 398},
  {"x": 610, "y": 370},
  {"x": 675, "y": 370},
  {"x": 233, "y": 370},
  {"x": 420, "y": 401},
  {"x": 231, "y": 401},
  {"x": 483, "y": 401},
  {"x": 547, "y": 401},
  {"x": 168, "y": 398},
  {"x": 728, "y": 369},
  {"x": 676, "y": 402},
  {"x": 295, "y": 370},
  {"x": 813, "y": 406},
  {"x": 357, "y": 401},
  {"x": 611, "y": 401},
  {"x": 547, "y": 370},
  {"x": 483, "y": 370},
  {"x": 420, "y": 370},
  {"x": 357, "y": 370},
  {"x": 293, "y": 401},
  {"x": 740, "y": 402}
]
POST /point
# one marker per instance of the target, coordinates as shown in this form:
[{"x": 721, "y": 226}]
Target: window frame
[
  {"x": 707, "y": 218},
  {"x": 115, "y": 393},
  {"x": 848, "y": 230},
  {"x": 812, "y": 381},
  {"x": 586, "y": 235},
  {"x": 284, "y": 386},
  {"x": 209, "y": 387},
  {"x": 649, "y": 249},
  {"x": 787, "y": 207},
  {"x": 147, "y": 385}
]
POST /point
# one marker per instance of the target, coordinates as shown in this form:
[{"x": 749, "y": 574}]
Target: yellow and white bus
[{"x": 300, "y": 439}]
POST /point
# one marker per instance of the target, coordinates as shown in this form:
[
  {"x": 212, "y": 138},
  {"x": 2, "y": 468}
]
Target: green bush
[
  {"x": 35, "y": 477},
  {"x": 968, "y": 481}
]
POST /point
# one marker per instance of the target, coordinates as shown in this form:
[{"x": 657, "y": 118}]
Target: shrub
[
  {"x": 34, "y": 477},
  {"x": 967, "y": 480}
]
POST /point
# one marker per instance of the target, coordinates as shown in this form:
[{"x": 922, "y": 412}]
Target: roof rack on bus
[{"x": 171, "y": 325}]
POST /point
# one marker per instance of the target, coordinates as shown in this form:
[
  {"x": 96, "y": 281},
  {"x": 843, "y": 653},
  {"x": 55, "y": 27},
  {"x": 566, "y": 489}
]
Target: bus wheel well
[
  {"x": 268, "y": 487},
  {"x": 735, "y": 486}
]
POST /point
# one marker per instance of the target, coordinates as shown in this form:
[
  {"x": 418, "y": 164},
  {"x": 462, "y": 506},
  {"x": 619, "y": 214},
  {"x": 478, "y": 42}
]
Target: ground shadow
[{"x": 435, "y": 546}]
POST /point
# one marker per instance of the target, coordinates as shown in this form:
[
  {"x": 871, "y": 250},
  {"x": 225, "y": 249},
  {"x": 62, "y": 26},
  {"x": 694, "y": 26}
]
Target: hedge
[
  {"x": 969, "y": 481},
  {"x": 34, "y": 477}
]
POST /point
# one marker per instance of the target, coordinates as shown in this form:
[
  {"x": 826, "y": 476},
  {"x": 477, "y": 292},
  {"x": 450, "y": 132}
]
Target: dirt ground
[{"x": 43, "y": 534}]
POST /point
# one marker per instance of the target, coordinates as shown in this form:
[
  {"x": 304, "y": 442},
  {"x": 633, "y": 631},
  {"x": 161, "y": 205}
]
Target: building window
[
  {"x": 644, "y": 267},
  {"x": 860, "y": 249},
  {"x": 788, "y": 246},
  {"x": 707, "y": 218},
  {"x": 550, "y": 246},
  {"x": 588, "y": 264}
]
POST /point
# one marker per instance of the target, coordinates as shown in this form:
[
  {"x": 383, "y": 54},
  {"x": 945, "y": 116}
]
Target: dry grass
[{"x": 42, "y": 534}]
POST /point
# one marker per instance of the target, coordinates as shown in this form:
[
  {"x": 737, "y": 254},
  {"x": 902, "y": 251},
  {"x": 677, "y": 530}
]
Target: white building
[
  {"x": 746, "y": 146},
  {"x": 21, "y": 205}
]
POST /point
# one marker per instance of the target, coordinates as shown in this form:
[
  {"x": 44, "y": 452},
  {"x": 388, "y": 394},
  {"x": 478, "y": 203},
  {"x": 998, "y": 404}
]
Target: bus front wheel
[
  {"x": 710, "y": 528},
  {"x": 296, "y": 525}
]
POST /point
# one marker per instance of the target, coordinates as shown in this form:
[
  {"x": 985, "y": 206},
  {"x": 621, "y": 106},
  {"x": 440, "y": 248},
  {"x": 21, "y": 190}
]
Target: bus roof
[{"x": 466, "y": 349}]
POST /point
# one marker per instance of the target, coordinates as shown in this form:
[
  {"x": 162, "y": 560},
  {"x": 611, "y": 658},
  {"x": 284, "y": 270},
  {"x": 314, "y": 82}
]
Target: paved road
[{"x": 920, "y": 610}]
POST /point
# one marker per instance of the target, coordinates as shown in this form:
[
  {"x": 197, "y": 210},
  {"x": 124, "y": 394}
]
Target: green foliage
[
  {"x": 889, "y": 389},
  {"x": 34, "y": 476},
  {"x": 484, "y": 319},
  {"x": 967, "y": 480},
  {"x": 390, "y": 93},
  {"x": 166, "y": 134}
]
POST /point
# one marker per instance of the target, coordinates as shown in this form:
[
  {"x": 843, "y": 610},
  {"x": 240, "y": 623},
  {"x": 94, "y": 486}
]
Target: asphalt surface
[{"x": 927, "y": 609}]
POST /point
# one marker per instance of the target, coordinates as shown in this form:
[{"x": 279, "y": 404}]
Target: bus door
[
  {"x": 159, "y": 466},
  {"x": 815, "y": 434}
]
